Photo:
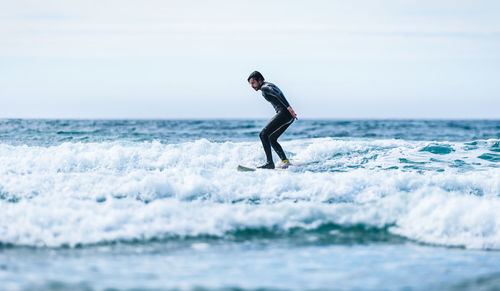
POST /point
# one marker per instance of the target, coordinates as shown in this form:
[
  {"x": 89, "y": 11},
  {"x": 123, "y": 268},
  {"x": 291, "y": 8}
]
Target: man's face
[{"x": 255, "y": 84}]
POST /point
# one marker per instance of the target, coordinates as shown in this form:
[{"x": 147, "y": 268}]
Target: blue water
[
  {"x": 50, "y": 132},
  {"x": 159, "y": 205}
]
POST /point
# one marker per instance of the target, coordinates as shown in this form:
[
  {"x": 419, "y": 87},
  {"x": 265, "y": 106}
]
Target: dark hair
[{"x": 256, "y": 75}]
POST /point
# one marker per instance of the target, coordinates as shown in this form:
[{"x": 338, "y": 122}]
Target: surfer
[{"x": 278, "y": 124}]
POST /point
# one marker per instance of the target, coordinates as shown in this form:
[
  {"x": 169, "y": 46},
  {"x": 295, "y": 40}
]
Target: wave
[
  {"x": 324, "y": 234},
  {"x": 89, "y": 193}
]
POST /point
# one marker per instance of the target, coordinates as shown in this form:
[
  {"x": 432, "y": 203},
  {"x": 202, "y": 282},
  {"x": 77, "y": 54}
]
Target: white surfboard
[{"x": 250, "y": 169}]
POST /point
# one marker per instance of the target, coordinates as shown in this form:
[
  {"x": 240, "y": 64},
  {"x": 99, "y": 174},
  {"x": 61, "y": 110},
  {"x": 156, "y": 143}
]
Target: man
[{"x": 278, "y": 124}]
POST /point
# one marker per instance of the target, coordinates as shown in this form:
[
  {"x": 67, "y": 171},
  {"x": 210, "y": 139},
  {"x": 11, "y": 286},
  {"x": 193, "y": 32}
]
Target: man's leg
[
  {"x": 274, "y": 140},
  {"x": 265, "y": 137}
]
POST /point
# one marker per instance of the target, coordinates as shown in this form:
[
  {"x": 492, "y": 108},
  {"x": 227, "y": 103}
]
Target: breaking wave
[{"x": 444, "y": 193}]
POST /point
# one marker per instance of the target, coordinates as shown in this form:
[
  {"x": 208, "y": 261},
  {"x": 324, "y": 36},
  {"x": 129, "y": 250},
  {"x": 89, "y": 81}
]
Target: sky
[{"x": 169, "y": 59}]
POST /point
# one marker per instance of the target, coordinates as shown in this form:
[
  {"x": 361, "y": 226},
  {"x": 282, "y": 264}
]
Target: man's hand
[{"x": 292, "y": 113}]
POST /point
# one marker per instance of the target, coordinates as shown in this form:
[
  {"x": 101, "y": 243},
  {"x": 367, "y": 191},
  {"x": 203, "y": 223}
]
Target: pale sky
[{"x": 190, "y": 59}]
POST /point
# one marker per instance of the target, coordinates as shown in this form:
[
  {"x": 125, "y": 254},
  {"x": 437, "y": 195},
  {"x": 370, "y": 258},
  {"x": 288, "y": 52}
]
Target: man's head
[{"x": 256, "y": 79}]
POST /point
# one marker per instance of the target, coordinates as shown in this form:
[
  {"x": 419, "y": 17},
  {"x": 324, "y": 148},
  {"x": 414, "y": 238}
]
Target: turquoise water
[{"x": 159, "y": 205}]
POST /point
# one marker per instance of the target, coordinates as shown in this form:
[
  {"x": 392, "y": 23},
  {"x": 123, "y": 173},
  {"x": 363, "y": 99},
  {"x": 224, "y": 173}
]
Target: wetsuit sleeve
[{"x": 275, "y": 94}]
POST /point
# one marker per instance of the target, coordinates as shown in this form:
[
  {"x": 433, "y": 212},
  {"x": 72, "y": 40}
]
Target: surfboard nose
[{"x": 245, "y": 169}]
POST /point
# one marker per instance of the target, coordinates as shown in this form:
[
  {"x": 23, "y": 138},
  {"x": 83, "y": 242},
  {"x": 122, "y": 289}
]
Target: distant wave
[{"x": 51, "y": 132}]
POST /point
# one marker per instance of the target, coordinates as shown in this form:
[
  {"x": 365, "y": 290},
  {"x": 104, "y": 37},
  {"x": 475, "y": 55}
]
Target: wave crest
[{"x": 75, "y": 193}]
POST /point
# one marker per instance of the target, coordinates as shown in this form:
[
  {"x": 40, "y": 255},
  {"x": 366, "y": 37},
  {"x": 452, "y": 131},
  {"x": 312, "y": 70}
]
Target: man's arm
[
  {"x": 268, "y": 90},
  {"x": 275, "y": 94}
]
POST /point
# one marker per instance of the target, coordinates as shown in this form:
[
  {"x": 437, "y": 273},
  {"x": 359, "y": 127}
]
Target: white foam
[{"x": 78, "y": 193}]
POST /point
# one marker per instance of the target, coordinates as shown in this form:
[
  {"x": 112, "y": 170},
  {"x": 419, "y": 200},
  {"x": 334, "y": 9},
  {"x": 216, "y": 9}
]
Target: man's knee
[
  {"x": 263, "y": 134},
  {"x": 273, "y": 139}
]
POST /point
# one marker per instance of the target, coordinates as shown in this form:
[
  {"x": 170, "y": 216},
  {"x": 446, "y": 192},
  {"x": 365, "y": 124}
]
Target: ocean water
[{"x": 159, "y": 205}]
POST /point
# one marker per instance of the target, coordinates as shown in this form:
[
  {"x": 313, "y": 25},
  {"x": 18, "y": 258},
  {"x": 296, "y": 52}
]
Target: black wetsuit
[{"x": 278, "y": 124}]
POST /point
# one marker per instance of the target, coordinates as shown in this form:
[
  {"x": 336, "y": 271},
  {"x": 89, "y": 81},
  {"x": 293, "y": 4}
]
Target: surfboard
[
  {"x": 250, "y": 169},
  {"x": 245, "y": 169}
]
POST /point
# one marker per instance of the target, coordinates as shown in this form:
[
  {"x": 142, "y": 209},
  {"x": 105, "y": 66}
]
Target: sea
[{"x": 159, "y": 205}]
